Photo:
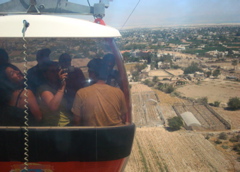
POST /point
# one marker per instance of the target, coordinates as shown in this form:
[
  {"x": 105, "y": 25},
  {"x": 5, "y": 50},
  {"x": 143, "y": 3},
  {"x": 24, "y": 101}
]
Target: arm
[
  {"x": 124, "y": 110},
  {"x": 76, "y": 120},
  {"x": 51, "y": 100},
  {"x": 76, "y": 110},
  {"x": 33, "y": 106},
  {"x": 54, "y": 101}
]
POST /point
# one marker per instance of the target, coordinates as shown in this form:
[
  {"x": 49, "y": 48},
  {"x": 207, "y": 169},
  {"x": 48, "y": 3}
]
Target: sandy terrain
[
  {"x": 175, "y": 72},
  {"x": 75, "y": 62},
  {"x": 178, "y": 54},
  {"x": 156, "y": 149},
  {"x": 214, "y": 89},
  {"x": 161, "y": 73}
]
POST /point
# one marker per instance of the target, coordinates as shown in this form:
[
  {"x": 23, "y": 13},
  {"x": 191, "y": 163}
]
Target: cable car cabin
[{"x": 43, "y": 146}]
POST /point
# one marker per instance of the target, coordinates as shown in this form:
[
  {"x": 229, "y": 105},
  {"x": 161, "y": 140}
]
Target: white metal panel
[
  {"x": 190, "y": 119},
  {"x": 53, "y": 26}
]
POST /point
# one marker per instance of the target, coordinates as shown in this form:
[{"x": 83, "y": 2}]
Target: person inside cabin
[
  {"x": 35, "y": 76},
  {"x": 92, "y": 66},
  {"x": 15, "y": 99},
  {"x": 112, "y": 74},
  {"x": 4, "y": 59},
  {"x": 51, "y": 96},
  {"x": 99, "y": 104},
  {"x": 75, "y": 78}
]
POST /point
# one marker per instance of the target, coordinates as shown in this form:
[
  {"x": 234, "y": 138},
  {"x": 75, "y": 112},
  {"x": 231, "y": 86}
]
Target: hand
[{"x": 62, "y": 76}]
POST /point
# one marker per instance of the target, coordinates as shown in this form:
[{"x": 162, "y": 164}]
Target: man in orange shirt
[{"x": 99, "y": 104}]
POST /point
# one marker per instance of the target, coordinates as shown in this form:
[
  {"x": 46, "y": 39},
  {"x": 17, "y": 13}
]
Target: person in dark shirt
[
  {"x": 75, "y": 79},
  {"x": 4, "y": 59},
  {"x": 13, "y": 96},
  {"x": 111, "y": 74},
  {"x": 35, "y": 76}
]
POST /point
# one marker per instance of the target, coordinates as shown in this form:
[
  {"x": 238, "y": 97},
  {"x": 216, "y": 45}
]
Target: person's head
[
  {"x": 65, "y": 60},
  {"x": 109, "y": 61},
  {"x": 93, "y": 68},
  {"x": 50, "y": 71},
  {"x": 3, "y": 56},
  {"x": 11, "y": 75},
  {"x": 43, "y": 55},
  {"x": 11, "y": 79}
]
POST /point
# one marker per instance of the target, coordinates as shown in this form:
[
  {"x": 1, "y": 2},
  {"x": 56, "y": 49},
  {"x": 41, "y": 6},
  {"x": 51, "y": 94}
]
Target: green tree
[
  {"x": 155, "y": 79},
  {"x": 223, "y": 136},
  {"x": 194, "y": 67},
  {"x": 203, "y": 100},
  {"x": 175, "y": 123},
  {"x": 234, "y": 103},
  {"x": 208, "y": 73},
  {"x": 126, "y": 56},
  {"x": 216, "y": 72},
  {"x": 216, "y": 103},
  {"x": 235, "y": 63}
]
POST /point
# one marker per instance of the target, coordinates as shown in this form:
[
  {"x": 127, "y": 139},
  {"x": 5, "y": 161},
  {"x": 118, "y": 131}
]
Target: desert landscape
[{"x": 157, "y": 149}]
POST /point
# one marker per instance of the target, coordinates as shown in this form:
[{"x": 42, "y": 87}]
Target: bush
[
  {"x": 234, "y": 103},
  {"x": 207, "y": 137},
  {"x": 203, "y": 100},
  {"x": 233, "y": 139},
  {"x": 169, "y": 89},
  {"x": 175, "y": 123},
  {"x": 225, "y": 146},
  {"x": 223, "y": 136},
  {"x": 216, "y": 103},
  {"x": 236, "y": 147},
  {"x": 194, "y": 67},
  {"x": 218, "y": 141}
]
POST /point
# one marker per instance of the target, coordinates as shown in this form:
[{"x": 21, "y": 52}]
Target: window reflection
[{"x": 57, "y": 70}]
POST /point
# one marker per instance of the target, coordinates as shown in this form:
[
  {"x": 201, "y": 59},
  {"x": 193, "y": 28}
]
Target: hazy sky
[
  {"x": 171, "y": 12},
  {"x": 151, "y": 13}
]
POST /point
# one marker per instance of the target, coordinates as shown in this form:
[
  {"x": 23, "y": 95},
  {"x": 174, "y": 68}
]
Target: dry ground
[
  {"x": 156, "y": 149},
  {"x": 75, "y": 62},
  {"x": 215, "y": 89}
]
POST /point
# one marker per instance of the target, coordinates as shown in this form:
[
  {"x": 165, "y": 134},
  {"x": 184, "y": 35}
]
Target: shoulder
[
  {"x": 32, "y": 69},
  {"x": 77, "y": 71},
  {"x": 44, "y": 87}
]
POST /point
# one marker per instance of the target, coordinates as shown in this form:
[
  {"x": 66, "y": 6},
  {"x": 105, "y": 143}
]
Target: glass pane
[{"x": 51, "y": 63}]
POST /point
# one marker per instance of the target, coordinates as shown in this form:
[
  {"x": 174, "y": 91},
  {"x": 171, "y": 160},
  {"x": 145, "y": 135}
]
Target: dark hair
[
  {"x": 109, "y": 58},
  {"x": 43, "y": 53},
  {"x": 3, "y": 56},
  {"x": 6, "y": 86},
  {"x": 65, "y": 57},
  {"x": 45, "y": 66},
  {"x": 94, "y": 65}
]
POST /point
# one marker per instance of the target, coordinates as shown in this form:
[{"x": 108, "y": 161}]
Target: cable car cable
[
  {"x": 130, "y": 14},
  {"x": 88, "y": 3},
  {"x": 25, "y": 26}
]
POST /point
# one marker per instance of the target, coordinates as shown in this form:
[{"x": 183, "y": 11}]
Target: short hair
[
  {"x": 3, "y": 56},
  {"x": 43, "y": 53},
  {"x": 94, "y": 65},
  {"x": 65, "y": 57},
  {"x": 46, "y": 65},
  {"x": 109, "y": 58}
]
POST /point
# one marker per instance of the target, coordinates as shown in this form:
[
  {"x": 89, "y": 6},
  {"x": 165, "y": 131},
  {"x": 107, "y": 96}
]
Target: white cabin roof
[{"x": 54, "y": 26}]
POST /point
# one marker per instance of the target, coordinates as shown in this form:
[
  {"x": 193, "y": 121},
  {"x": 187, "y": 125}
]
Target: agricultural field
[
  {"x": 214, "y": 89},
  {"x": 157, "y": 149}
]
